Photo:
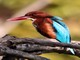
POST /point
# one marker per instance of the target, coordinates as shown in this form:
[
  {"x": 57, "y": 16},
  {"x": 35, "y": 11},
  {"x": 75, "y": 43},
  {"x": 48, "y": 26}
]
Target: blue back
[{"x": 62, "y": 31}]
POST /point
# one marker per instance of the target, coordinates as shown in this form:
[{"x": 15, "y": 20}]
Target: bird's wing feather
[
  {"x": 62, "y": 31},
  {"x": 58, "y": 20}
]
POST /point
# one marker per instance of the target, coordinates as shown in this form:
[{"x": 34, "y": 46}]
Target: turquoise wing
[
  {"x": 62, "y": 31},
  {"x": 58, "y": 20}
]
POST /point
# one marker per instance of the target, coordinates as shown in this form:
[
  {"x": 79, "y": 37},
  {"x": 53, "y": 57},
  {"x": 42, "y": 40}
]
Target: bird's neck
[{"x": 40, "y": 21}]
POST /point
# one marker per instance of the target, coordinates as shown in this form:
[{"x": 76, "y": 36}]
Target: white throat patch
[{"x": 32, "y": 19}]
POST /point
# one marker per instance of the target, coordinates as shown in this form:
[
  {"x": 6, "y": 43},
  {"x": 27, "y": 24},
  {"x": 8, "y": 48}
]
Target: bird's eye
[
  {"x": 26, "y": 14},
  {"x": 33, "y": 14}
]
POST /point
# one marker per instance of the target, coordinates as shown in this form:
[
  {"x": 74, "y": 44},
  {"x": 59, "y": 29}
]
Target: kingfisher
[{"x": 48, "y": 26}]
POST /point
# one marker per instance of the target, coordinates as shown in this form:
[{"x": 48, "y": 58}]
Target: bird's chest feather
[{"x": 44, "y": 27}]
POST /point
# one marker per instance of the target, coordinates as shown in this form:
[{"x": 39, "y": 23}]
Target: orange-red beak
[{"x": 18, "y": 18}]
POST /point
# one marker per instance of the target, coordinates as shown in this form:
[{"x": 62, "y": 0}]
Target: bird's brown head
[
  {"x": 32, "y": 15},
  {"x": 38, "y": 14}
]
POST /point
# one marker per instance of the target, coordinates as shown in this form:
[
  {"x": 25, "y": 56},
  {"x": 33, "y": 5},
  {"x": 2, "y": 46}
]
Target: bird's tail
[{"x": 72, "y": 51}]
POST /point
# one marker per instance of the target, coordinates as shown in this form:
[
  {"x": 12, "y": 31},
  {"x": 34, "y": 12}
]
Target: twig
[
  {"x": 44, "y": 42},
  {"x": 38, "y": 49},
  {"x": 20, "y": 54}
]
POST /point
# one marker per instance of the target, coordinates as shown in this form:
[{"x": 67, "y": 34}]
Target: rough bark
[{"x": 30, "y": 48}]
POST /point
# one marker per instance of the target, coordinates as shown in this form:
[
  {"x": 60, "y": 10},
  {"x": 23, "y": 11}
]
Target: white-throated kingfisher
[{"x": 49, "y": 26}]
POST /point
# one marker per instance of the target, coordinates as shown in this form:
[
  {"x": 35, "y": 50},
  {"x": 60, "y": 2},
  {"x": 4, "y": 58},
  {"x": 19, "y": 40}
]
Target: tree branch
[
  {"x": 30, "y": 48},
  {"x": 18, "y": 53},
  {"x": 44, "y": 42}
]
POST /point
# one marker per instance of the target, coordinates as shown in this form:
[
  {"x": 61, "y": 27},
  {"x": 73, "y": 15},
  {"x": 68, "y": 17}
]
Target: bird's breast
[{"x": 45, "y": 29}]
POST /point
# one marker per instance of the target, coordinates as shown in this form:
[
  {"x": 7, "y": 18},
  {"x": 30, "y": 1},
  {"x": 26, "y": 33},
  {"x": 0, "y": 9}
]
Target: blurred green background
[{"x": 69, "y": 10}]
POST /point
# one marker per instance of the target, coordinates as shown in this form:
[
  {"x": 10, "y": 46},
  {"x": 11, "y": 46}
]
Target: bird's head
[{"x": 32, "y": 16}]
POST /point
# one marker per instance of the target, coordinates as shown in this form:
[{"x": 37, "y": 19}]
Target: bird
[{"x": 49, "y": 26}]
